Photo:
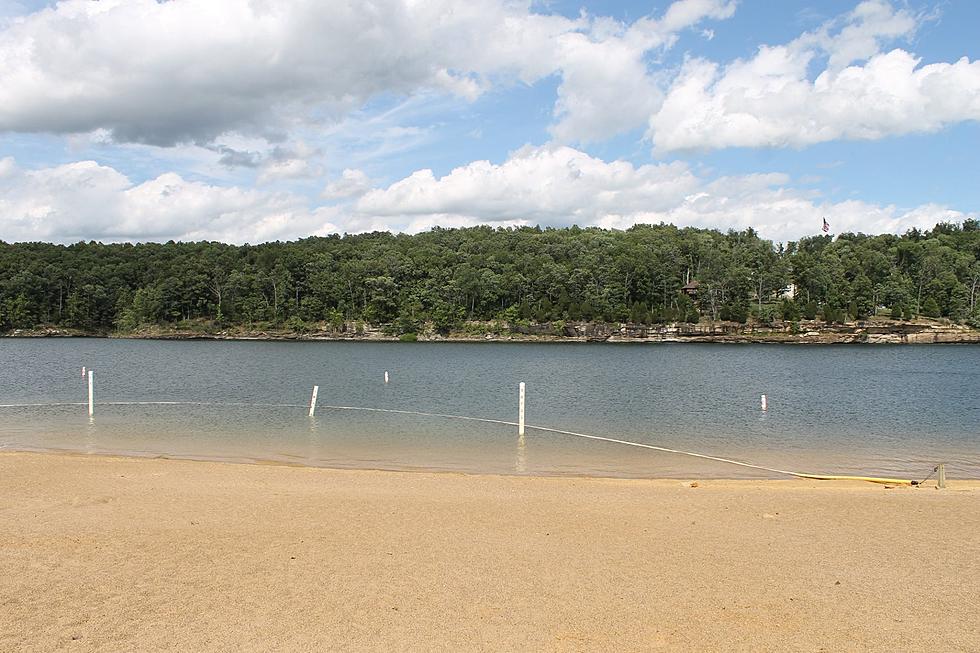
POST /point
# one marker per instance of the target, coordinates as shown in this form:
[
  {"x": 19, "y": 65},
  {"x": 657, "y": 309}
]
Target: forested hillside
[{"x": 441, "y": 278}]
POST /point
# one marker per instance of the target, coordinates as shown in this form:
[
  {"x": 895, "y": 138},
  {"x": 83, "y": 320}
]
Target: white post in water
[
  {"x": 941, "y": 479},
  {"x": 91, "y": 404},
  {"x": 765, "y": 403},
  {"x": 316, "y": 389},
  {"x": 520, "y": 409},
  {"x": 386, "y": 376},
  {"x": 83, "y": 371}
]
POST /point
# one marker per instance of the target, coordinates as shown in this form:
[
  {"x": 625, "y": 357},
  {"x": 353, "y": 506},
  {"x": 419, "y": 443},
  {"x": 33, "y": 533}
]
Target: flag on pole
[{"x": 826, "y": 226}]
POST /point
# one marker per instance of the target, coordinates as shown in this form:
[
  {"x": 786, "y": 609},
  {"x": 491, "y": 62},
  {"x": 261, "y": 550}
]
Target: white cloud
[
  {"x": 549, "y": 186},
  {"x": 85, "y": 200},
  {"x": 606, "y": 86},
  {"x": 555, "y": 186},
  {"x": 352, "y": 183},
  {"x": 181, "y": 71},
  {"x": 294, "y": 162},
  {"x": 769, "y": 100},
  {"x": 163, "y": 73}
]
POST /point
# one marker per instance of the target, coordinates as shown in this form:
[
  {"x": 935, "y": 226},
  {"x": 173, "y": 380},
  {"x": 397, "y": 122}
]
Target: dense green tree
[
  {"x": 442, "y": 277},
  {"x": 930, "y": 308}
]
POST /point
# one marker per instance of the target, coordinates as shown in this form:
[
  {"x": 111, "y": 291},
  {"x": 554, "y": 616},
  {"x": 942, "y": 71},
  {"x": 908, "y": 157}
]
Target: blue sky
[{"x": 140, "y": 120}]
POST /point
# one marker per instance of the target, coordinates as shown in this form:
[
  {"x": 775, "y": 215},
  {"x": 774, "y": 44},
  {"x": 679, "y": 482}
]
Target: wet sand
[{"x": 115, "y": 554}]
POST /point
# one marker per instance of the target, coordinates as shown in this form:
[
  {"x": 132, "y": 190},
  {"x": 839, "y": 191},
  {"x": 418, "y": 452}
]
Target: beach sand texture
[{"x": 114, "y": 554}]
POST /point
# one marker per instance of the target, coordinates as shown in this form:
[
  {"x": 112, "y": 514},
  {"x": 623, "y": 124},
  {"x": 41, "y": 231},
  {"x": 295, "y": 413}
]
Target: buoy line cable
[{"x": 588, "y": 436}]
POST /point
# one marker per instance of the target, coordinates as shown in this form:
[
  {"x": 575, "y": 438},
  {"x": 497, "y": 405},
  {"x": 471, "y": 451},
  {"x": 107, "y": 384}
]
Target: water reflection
[
  {"x": 312, "y": 441},
  {"x": 91, "y": 445}
]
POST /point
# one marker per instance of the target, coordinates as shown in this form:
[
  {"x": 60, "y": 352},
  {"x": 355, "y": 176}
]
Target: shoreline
[
  {"x": 104, "y": 553},
  {"x": 955, "y": 484},
  {"x": 586, "y": 333},
  {"x": 272, "y": 462}
]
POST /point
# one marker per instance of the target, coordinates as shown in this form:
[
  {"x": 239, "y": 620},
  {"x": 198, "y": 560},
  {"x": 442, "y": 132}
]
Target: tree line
[{"x": 442, "y": 278}]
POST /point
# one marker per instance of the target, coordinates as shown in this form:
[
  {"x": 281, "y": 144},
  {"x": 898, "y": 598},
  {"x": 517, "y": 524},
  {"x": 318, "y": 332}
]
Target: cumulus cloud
[
  {"x": 862, "y": 92},
  {"x": 352, "y": 183},
  {"x": 181, "y": 71},
  {"x": 85, "y": 200},
  {"x": 556, "y": 186},
  {"x": 294, "y": 162},
  {"x": 162, "y": 73},
  {"x": 606, "y": 85},
  {"x": 548, "y": 186}
]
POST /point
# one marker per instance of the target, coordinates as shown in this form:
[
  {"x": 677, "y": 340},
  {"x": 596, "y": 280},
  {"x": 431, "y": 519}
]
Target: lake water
[{"x": 883, "y": 410}]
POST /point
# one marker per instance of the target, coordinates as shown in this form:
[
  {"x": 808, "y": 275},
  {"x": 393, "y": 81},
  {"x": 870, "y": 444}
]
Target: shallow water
[{"x": 885, "y": 410}]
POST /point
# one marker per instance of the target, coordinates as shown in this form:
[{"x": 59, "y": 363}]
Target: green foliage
[
  {"x": 298, "y": 324},
  {"x": 930, "y": 308},
  {"x": 896, "y": 312},
  {"x": 408, "y": 337},
  {"x": 833, "y": 314},
  {"x": 440, "y": 278},
  {"x": 686, "y": 310},
  {"x": 974, "y": 318},
  {"x": 789, "y": 310},
  {"x": 17, "y": 313},
  {"x": 735, "y": 313}
]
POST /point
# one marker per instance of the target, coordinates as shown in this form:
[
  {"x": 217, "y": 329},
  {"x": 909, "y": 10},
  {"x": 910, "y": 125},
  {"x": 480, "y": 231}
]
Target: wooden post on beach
[
  {"x": 316, "y": 389},
  {"x": 91, "y": 403},
  {"x": 386, "y": 376},
  {"x": 941, "y": 478},
  {"x": 765, "y": 403},
  {"x": 520, "y": 409}
]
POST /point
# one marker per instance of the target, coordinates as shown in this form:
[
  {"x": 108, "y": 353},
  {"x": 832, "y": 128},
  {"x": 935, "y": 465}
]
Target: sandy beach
[{"x": 115, "y": 554}]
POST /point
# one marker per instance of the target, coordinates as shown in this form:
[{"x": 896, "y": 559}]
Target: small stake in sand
[
  {"x": 91, "y": 404},
  {"x": 941, "y": 478},
  {"x": 520, "y": 409},
  {"x": 316, "y": 389},
  {"x": 765, "y": 403},
  {"x": 386, "y": 376}
]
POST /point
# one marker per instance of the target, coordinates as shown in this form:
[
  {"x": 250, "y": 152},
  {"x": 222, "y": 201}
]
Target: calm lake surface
[{"x": 883, "y": 410}]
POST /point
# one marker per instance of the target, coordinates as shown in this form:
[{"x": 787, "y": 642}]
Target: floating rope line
[
  {"x": 818, "y": 477},
  {"x": 546, "y": 429}
]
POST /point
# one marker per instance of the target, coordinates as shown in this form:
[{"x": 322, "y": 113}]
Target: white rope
[{"x": 425, "y": 414}]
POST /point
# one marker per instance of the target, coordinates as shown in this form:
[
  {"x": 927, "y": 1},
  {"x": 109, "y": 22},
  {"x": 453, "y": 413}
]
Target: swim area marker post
[
  {"x": 386, "y": 376},
  {"x": 520, "y": 409},
  {"x": 941, "y": 478},
  {"x": 765, "y": 403},
  {"x": 83, "y": 371},
  {"x": 91, "y": 404},
  {"x": 316, "y": 389}
]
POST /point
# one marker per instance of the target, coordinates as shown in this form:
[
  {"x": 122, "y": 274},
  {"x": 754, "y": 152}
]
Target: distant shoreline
[{"x": 806, "y": 333}]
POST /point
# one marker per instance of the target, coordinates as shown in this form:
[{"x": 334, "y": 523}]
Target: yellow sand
[{"x": 112, "y": 554}]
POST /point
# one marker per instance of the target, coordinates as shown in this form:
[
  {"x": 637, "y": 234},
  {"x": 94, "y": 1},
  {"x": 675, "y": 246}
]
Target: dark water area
[{"x": 882, "y": 410}]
